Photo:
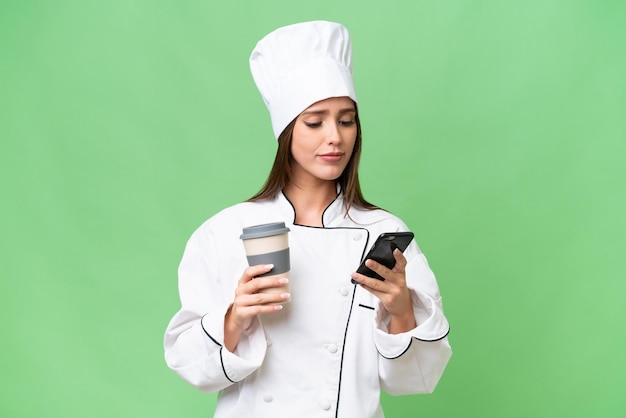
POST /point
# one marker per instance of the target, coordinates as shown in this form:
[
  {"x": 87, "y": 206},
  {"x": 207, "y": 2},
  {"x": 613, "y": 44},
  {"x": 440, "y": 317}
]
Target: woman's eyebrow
[{"x": 326, "y": 111}]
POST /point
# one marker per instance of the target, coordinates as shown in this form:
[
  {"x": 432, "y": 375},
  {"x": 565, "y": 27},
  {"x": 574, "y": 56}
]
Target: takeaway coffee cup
[{"x": 268, "y": 244}]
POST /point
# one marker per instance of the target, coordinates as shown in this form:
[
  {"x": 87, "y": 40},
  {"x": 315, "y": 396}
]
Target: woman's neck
[{"x": 311, "y": 201}]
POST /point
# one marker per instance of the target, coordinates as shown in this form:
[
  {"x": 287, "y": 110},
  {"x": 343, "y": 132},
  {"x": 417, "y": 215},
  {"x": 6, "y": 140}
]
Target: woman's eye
[
  {"x": 313, "y": 124},
  {"x": 347, "y": 122}
]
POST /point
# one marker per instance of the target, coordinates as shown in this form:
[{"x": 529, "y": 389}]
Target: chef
[{"x": 330, "y": 345}]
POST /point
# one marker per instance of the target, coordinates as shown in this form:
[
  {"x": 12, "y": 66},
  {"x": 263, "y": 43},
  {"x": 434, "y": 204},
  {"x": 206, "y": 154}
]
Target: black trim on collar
[
  {"x": 329, "y": 205},
  {"x": 323, "y": 212},
  {"x": 293, "y": 221}
]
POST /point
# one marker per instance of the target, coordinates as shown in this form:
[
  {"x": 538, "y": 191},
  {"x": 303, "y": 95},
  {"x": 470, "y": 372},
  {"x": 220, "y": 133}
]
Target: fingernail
[
  {"x": 269, "y": 266},
  {"x": 278, "y": 307},
  {"x": 285, "y": 295},
  {"x": 283, "y": 280}
]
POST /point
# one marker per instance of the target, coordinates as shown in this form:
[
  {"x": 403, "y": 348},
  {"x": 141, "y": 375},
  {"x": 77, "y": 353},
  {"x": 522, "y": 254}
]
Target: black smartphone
[{"x": 382, "y": 252}]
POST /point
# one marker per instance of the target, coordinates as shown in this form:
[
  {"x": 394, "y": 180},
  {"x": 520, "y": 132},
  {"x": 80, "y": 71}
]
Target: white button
[
  {"x": 325, "y": 405},
  {"x": 268, "y": 398},
  {"x": 343, "y": 291},
  {"x": 357, "y": 236},
  {"x": 332, "y": 348}
]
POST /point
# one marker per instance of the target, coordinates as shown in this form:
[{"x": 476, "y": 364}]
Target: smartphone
[{"x": 382, "y": 252}]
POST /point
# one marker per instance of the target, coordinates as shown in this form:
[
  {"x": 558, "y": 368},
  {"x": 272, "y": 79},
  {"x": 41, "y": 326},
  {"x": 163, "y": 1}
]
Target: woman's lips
[{"x": 332, "y": 157}]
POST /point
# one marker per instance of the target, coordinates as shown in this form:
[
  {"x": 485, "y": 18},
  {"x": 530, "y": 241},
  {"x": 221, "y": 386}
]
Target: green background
[{"x": 495, "y": 129}]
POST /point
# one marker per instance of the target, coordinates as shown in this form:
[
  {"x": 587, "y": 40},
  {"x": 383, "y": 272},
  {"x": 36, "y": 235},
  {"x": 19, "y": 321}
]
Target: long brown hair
[{"x": 281, "y": 172}]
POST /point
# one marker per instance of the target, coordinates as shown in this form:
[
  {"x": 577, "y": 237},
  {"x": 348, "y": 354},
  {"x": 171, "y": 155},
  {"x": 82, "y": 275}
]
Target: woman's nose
[{"x": 332, "y": 135}]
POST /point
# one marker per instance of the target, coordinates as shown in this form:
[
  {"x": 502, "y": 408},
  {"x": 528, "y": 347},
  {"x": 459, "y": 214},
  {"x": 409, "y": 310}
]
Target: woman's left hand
[{"x": 392, "y": 292}]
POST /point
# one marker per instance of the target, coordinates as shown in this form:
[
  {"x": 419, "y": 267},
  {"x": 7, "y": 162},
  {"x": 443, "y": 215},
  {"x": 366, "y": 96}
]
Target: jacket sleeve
[
  {"x": 194, "y": 339},
  {"x": 413, "y": 362}
]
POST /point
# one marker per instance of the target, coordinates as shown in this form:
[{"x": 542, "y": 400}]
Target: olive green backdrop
[{"x": 495, "y": 129}]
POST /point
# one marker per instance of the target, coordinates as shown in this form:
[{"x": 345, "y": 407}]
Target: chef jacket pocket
[
  {"x": 362, "y": 305},
  {"x": 364, "y": 301}
]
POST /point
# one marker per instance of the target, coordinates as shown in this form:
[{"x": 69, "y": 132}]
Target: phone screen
[{"x": 382, "y": 251}]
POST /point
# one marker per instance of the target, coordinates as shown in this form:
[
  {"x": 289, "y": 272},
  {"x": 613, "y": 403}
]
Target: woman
[{"x": 332, "y": 348}]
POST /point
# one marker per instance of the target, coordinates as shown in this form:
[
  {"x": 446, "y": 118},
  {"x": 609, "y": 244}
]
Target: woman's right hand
[{"x": 248, "y": 302}]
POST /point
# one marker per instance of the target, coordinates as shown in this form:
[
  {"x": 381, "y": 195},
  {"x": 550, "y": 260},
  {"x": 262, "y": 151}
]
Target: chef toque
[{"x": 298, "y": 65}]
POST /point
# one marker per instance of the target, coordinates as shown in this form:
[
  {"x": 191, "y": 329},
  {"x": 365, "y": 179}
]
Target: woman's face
[{"x": 323, "y": 139}]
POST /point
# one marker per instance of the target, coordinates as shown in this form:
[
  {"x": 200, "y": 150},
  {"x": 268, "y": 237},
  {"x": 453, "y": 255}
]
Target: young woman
[{"x": 332, "y": 348}]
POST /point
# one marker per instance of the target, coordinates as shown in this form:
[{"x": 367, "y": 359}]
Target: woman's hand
[
  {"x": 248, "y": 302},
  {"x": 392, "y": 292}
]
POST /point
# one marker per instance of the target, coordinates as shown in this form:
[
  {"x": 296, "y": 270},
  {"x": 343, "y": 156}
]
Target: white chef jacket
[{"x": 327, "y": 353}]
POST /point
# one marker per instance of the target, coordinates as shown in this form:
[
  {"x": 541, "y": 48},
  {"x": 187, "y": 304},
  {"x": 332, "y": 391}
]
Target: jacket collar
[{"x": 332, "y": 216}]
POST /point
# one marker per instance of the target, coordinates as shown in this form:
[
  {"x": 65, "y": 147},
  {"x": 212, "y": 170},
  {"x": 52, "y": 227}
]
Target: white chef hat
[{"x": 298, "y": 65}]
